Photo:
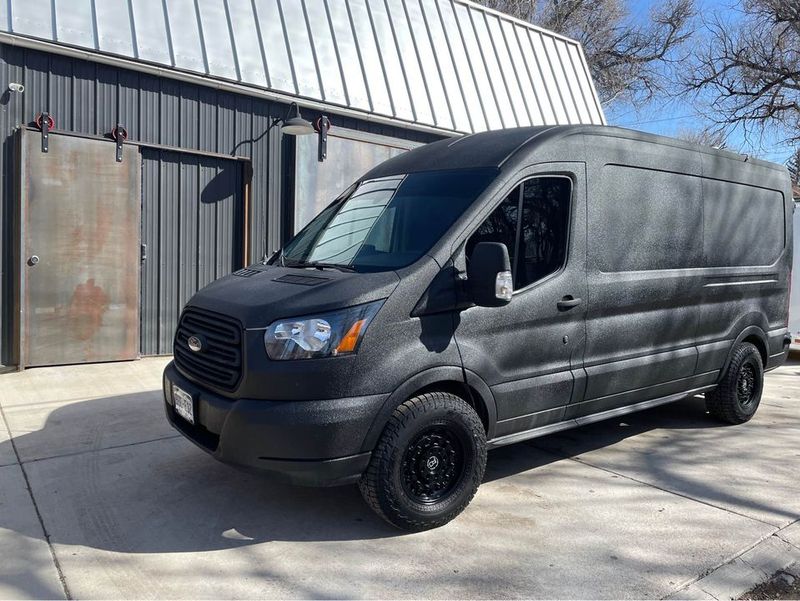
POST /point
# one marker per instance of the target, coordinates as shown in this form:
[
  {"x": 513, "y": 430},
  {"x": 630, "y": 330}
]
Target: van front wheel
[
  {"x": 427, "y": 464},
  {"x": 736, "y": 398}
]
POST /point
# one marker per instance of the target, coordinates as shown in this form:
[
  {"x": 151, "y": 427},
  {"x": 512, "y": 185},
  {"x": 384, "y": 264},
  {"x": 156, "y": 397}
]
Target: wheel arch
[{"x": 453, "y": 379}]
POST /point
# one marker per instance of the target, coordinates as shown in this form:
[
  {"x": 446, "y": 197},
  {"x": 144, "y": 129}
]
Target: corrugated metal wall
[
  {"x": 91, "y": 98},
  {"x": 192, "y": 223}
]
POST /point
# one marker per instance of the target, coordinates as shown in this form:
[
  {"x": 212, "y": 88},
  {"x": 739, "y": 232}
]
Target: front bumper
[{"x": 312, "y": 443}]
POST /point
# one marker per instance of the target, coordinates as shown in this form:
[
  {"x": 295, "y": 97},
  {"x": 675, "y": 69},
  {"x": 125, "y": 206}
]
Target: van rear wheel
[
  {"x": 738, "y": 395},
  {"x": 427, "y": 464}
]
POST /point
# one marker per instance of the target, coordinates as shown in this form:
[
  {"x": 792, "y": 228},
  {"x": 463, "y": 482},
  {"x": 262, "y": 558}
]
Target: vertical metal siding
[
  {"x": 90, "y": 99},
  {"x": 192, "y": 229},
  {"x": 11, "y": 115}
]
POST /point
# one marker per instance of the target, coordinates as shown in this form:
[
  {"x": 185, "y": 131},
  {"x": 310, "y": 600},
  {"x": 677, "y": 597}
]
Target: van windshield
[{"x": 386, "y": 223}]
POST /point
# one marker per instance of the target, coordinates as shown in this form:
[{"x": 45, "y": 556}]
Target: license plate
[{"x": 184, "y": 405}]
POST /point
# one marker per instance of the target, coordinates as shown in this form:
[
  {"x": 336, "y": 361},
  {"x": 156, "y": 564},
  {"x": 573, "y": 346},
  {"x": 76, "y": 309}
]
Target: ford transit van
[{"x": 485, "y": 290}]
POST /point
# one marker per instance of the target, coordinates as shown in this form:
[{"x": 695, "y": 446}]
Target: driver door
[{"x": 530, "y": 351}]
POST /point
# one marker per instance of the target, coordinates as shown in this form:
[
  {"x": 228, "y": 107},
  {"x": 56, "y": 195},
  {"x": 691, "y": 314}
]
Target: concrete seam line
[
  {"x": 697, "y": 579},
  {"x": 117, "y": 446},
  {"x": 788, "y": 542},
  {"x": 56, "y": 563},
  {"x": 656, "y": 486},
  {"x": 789, "y": 525},
  {"x": 676, "y": 493},
  {"x": 766, "y": 573},
  {"x": 706, "y": 592}
]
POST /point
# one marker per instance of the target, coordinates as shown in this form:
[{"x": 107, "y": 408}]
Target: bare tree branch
[
  {"x": 748, "y": 72},
  {"x": 793, "y": 165},
  {"x": 713, "y": 137}
]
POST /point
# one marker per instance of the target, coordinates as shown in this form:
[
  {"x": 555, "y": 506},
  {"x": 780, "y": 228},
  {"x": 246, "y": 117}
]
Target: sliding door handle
[{"x": 568, "y": 302}]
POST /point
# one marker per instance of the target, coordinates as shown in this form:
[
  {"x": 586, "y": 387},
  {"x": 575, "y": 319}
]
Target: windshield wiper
[{"x": 320, "y": 265}]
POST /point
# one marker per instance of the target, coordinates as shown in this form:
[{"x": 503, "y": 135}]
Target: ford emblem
[{"x": 195, "y": 344}]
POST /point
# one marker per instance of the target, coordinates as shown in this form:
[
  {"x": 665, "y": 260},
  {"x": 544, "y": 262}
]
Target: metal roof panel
[{"x": 447, "y": 64}]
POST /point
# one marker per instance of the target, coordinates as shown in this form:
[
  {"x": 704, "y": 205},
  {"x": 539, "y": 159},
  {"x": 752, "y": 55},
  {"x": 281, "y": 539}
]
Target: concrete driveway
[{"x": 100, "y": 498}]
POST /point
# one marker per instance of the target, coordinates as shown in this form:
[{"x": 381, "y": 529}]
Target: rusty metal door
[{"x": 79, "y": 272}]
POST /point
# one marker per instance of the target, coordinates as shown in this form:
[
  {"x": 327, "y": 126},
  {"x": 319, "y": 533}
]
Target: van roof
[{"x": 494, "y": 148}]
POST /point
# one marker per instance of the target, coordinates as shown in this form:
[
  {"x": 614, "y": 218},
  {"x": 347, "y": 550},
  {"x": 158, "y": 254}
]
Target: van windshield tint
[{"x": 387, "y": 223}]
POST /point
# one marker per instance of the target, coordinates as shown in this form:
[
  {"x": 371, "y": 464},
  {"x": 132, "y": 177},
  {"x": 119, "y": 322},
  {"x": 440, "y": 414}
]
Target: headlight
[{"x": 324, "y": 335}]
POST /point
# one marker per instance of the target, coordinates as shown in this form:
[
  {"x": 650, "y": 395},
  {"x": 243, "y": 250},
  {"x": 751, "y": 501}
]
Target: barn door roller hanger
[
  {"x": 45, "y": 122},
  {"x": 119, "y": 134}
]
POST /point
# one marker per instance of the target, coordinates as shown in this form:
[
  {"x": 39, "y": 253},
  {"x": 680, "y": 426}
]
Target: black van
[{"x": 485, "y": 290}]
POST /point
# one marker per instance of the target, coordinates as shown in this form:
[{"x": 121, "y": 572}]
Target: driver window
[
  {"x": 500, "y": 226},
  {"x": 537, "y": 244},
  {"x": 545, "y": 228}
]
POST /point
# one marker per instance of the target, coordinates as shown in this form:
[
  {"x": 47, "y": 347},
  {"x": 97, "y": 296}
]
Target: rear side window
[
  {"x": 533, "y": 223},
  {"x": 640, "y": 220},
  {"x": 643, "y": 220},
  {"x": 743, "y": 225}
]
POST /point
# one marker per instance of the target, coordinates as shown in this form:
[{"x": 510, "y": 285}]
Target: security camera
[{"x": 16, "y": 87}]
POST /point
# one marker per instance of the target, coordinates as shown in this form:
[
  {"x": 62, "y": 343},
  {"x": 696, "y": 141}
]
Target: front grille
[{"x": 219, "y": 362}]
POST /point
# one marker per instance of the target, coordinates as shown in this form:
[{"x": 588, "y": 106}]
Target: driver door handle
[{"x": 568, "y": 302}]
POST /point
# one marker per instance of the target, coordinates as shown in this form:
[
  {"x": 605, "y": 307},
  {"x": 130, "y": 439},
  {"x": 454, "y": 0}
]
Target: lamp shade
[
  {"x": 297, "y": 126},
  {"x": 294, "y": 124}
]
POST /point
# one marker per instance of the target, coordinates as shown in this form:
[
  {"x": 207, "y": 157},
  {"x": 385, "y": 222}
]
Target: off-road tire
[
  {"x": 726, "y": 402},
  {"x": 387, "y": 485}
]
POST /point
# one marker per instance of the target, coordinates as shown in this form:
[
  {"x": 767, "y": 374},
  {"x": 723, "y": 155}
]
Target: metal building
[{"x": 141, "y": 156}]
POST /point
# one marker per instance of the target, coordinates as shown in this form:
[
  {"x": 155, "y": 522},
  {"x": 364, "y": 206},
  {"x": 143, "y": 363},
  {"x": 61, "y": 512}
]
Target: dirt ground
[{"x": 783, "y": 585}]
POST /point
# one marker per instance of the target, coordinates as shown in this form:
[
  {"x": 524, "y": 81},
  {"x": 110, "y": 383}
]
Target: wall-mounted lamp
[{"x": 293, "y": 123}]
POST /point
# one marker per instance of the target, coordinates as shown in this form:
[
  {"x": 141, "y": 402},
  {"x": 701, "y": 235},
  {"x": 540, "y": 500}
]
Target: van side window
[
  {"x": 537, "y": 246},
  {"x": 645, "y": 220},
  {"x": 545, "y": 228}
]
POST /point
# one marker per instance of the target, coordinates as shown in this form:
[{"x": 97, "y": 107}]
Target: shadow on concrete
[
  {"x": 167, "y": 496},
  {"x": 681, "y": 415},
  {"x": 726, "y": 466}
]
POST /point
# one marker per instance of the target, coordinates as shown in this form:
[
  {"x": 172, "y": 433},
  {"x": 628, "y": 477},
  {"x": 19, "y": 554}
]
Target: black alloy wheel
[
  {"x": 433, "y": 464},
  {"x": 746, "y": 385}
]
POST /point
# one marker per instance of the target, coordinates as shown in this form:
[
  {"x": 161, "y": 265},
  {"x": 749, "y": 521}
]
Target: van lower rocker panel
[
  {"x": 590, "y": 419},
  {"x": 621, "y": 399}
]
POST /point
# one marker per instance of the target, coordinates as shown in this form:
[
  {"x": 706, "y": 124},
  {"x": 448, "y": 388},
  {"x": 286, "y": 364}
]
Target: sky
[{"x": 669, "y": 117}]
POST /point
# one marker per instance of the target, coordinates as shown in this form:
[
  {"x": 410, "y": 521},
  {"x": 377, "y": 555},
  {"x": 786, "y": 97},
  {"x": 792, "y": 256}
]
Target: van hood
[{"x": 260, "y": 294}]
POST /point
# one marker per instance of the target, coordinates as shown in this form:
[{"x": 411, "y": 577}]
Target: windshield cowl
[{"x": 318, "y": 265}]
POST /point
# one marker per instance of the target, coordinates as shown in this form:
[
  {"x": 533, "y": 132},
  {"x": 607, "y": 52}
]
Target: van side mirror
[{"x": 489, "y": 275}]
